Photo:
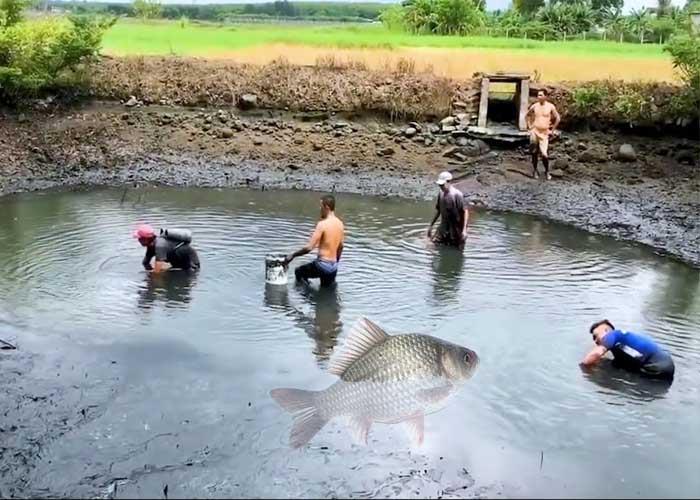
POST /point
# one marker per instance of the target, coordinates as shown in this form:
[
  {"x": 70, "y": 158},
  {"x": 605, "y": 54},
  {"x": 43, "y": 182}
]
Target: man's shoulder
[{"x": 551, "y": 106}]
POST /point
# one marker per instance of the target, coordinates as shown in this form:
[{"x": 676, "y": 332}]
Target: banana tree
[{"x": 640, "y": 22}]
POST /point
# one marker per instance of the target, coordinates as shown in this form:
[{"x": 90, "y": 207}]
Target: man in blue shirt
[{"x": 632, "y": 351}]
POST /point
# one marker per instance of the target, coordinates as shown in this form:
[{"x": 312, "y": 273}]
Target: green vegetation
[
  {"x": 147, "y": 9},
  {"x": 129, "y": 37},
  {"x": 40, "y": 54},
  {"x": 685, "y": 50},
  {"x": 310, "y": 11}
]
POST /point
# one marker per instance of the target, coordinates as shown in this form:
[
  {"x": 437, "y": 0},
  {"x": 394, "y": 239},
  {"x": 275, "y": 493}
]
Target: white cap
[{"x": 444, "y": 177}]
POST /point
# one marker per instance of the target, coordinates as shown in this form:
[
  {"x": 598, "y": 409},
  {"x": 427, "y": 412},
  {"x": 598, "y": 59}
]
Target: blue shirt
[{"x": 630, "y": 346}]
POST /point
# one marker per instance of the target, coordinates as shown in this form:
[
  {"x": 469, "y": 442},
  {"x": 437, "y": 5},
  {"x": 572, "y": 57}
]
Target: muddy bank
[{"x": 652, "y": 199}]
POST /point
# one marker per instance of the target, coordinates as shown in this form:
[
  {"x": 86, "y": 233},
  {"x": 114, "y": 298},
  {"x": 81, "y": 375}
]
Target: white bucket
[{"x": 275, "y": 270}]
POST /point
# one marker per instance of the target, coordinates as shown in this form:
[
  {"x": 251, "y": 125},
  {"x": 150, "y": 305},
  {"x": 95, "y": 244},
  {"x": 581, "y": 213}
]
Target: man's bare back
[{"x": 332, "y": 235}]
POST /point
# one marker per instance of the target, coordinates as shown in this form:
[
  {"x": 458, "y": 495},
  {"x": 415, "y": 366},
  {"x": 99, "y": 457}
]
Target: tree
[
  {"x": 147, "y": 9},
  {"x": 640, "y": 22},
  {"x": 11, "y": 11},
  {"x": 600, "y": 5},
  {"x": 528, "y": 7},
  {"x": 456, "y": 17},
  {"x": 615, "y": 23},
  {"x": 662, "y": 7}
]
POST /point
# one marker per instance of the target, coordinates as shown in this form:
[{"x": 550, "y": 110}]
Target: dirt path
[{"x": 653, "y": 200}]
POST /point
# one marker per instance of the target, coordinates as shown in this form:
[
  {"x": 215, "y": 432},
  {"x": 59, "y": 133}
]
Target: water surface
[{"x": 175, "y": 372}]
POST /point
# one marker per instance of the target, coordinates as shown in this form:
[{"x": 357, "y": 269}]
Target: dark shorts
[
  {"x": 448, "y": 238},
  {"x": 184, "y": 257},
  {"x": 315, "y": 270},
  {"x": 659, "y": 365}
]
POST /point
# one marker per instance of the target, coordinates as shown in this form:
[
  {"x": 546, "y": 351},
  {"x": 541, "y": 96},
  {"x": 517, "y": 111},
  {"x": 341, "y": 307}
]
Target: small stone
[
  {"x": 428, "y": 141},
  {"x": 388, "y": 151},
  {"x": 462, "y": 118},
  {"x": 448, "y": 129},
  {"x": 462, "y": 141},
  {"x": 131, "y": 102},
  {"x": 299, "y": 141},
  {"x": 448, "y": 122},
  {"x": 257, "y": 141},
  {"x": 627, "y": 153},
  {"x": 340, "y": 125},
  {"x": 557, "y": 173},
  {"x": 226, "y": 133},
  {"x": 435, "y": 129},
  {"x": 410, "y": 132},
  {"x": 686, "y": 156},
  {"x": 482, "y": 146},
  {"x": 248, "y": 101},
  {"x": 416, "y": 126},
  {"x": 316, "y": 146}
]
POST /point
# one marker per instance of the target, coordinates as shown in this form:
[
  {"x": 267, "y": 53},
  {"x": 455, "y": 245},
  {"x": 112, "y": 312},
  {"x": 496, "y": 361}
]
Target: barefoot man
[
  {"x": 328, "y": 238},
  {"x": 541, "y": 128}
]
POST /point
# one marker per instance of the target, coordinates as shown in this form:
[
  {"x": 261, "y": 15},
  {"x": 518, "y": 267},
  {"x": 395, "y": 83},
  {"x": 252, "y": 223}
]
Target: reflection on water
[
  {"x": 617, "y": 383},
  {"x": 447, "y": 264},
  {"x": 172, "y": 288},
  {"x": 322, "y": 323},
  {"x": 384, "y": 378}
]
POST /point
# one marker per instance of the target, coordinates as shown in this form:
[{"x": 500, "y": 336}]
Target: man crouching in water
[
  {"x": 328, "y": 237},
  {"x": 172, "y": 247},
  {"x": 631, "y": 351}
]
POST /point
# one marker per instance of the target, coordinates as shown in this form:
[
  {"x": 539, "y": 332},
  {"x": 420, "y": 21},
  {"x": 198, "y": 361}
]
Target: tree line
[
  {"x": 151, "y": 9},
  {"x": 540, "y": 20}
]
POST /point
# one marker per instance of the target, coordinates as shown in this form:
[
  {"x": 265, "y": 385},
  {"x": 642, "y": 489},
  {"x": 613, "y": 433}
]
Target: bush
[
  {"x": 11, "y": 11},
  {"x": 685, "y": 51},
  {"x": 37, "y": 55},
  {"x": 587, "y": 100}
]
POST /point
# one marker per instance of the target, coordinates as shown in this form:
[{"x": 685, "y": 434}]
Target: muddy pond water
[{"x": 171, "y": 377}]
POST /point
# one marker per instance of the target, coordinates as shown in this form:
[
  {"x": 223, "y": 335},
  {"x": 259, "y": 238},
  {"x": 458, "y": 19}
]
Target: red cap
[{"x": 144, "y": 231}]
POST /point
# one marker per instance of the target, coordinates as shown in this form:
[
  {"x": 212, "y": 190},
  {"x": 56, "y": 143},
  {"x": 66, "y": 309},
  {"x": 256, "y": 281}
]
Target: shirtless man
[
  {"x": 328, "y": 238},
  {"x": 541, "y": 129}
]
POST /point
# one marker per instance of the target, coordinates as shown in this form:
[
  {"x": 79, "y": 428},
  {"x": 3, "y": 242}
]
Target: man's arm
[
  {"x": 528, "y": 116},
  {"x": 313, "y": 243},
  {"x": 160, "y": 266},
  {"x": 437, "y": 215},
  {"x": 339, "y": 253},
  {"x": 150, "y": 253},
  {"x": 557, "y": 118},
  {"x": 594, "y": 356}
]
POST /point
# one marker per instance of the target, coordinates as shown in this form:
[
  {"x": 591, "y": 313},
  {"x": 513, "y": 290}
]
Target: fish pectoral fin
[
  {"x": 415, "y": 427},
  {"x": 359, "y": 426},
  {"x": 435, "y": 394},
  {"x": 363, "y": 336}
]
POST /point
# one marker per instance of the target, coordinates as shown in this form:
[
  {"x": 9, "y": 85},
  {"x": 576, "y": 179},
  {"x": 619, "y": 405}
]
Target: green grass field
[
  {"x": 162, "y": 38},
  {"x": 378, "y": 48}
]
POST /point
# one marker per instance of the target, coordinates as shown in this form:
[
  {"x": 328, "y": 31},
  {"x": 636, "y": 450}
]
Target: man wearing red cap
[{"x": 171, "y": 247}]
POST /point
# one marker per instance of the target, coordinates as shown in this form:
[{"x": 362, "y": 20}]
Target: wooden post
[
  {"x": 484, "y": 103},
  {"x": 524, "y": 101}
]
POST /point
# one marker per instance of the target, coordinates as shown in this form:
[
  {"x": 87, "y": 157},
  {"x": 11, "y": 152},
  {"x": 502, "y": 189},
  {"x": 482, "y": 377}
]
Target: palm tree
[
  {"x": 639, "y": 22},
  {"x": 662, "y": 7},
  {"x": 615, "y": 23}
]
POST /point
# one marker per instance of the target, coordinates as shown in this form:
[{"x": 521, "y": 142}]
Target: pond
[{"x": 173, "y": 374}]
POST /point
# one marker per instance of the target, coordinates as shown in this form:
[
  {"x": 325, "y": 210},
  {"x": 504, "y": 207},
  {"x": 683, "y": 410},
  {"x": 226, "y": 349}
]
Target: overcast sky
[{"x": 491, "y": 4}]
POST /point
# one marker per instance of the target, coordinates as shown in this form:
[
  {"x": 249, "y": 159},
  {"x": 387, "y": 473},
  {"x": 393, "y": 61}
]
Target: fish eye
[{"x": 467, "y": 358}]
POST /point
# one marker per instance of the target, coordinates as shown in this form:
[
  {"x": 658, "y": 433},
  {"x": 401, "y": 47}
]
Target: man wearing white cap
[{"x": 452, "y": 213}]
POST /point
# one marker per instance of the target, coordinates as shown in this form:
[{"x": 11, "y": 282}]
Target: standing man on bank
[
  {"x": 328, "y": 237},
  {"x": 453, "y": 215},
  {"x": 541, "y": 129}
]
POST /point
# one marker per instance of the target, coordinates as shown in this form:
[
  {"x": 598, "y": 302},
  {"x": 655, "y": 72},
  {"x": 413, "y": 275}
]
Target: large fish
[{"x": 383, "y": 378}]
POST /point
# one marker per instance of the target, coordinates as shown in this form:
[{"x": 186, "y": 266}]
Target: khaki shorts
[{"x": 540, "y": 139}]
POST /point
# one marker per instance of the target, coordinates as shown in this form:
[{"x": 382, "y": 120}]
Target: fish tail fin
[{"x": 307, "y": 418}]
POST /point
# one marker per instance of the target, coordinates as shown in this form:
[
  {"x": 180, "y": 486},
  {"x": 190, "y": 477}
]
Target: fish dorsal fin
[{"x": 363, "y": 336}]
